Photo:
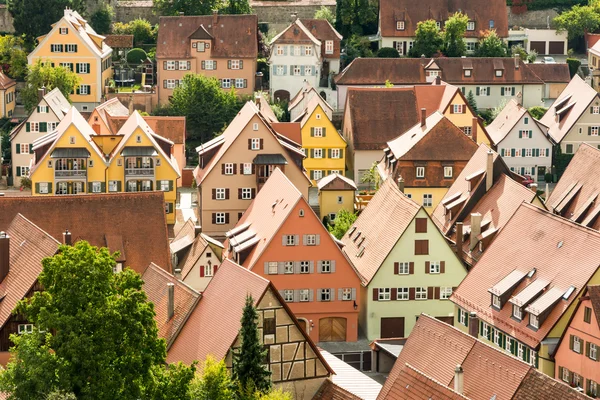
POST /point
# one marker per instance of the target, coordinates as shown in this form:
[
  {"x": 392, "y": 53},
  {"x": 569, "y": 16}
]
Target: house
[
  {"x": 405, "y": 264},
  {"x": 99, "y": 118},
  {"x": 70, "y": 41},
  {"x": 195, "y": 256},
  {"x": 375, "y": 116},
  {"x": 556, "y": 77},
  {"x": 439, "y": 361},
  {"x": 398, "y": 20},
  {"x": 481, "y": 201},
  {"x": 331, "y": 391},
  {"x": 492, "y": 80},
  {"x": 280, "y": 238},
  {"x": 298, "y": 103},
  {"x": 306, "y": 51},
  {"x": 520, "y": 296},
  {"x": 522, "y": 141},
  {"x": 576, "y": 354},
  {"x": 575, "y": 195},
  {"x": 23, "y": 246},
  {"x": 235, "y": 165},
  {"x": 574, "y": 118},
  {"x": 131, "y": 223},
  {"x": 351, "y": 379},
  {"x": 7, "y": 96},
  {"x": 294, "y": 361},
  {"x": 220, "y": 46},
  {"x": 594, "y": 63},
  {"x": 324, "y": 146},
  {"x": 427, "y": 158},
  {"x": 336, "y": 192},
  {"x": 73, "y": 159},
  {"x": 51, "y": 109}
]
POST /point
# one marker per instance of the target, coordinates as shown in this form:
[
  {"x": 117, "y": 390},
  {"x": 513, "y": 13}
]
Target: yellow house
[
  {"x": 75, "y": 160},
  {"x": 336, "y": 193},
  {"x": 72, "y": 43},
  {"x": 7, "y": 96},
  {"x": 457, "y": 110},
  {"x": 324, "y": 147}
]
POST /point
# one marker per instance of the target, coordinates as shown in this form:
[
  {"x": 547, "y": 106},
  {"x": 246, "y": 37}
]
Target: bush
[
  {"x": 537, "y": 112},
  {"x": 548, "y": 177},
  {"x": 25, "y": 182},
  {"x": 574, "y": 65},
  {"x": 388, "y": 52},
  {"x": 101, "y": 19},
  {"x": 136, "y": 56},
  {"x": 141, "y": 29}
]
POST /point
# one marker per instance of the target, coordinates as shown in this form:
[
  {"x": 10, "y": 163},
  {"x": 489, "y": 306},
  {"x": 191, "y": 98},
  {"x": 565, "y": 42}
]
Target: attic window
[
  {"x": 357, "y": 236},
  {"x": 64, "y": 31},
  {"x": 301, "y": 212},
  {"x": 471, "y": 25},
  {"x": 499, "y": 72},
  {"x": 318, "y": 116},
  {"x": 360, "y": 242},
  {"x": 351, "y": 231},
  {"x": 517, "y": 312},
  {"x": 531, "y": 273},
  {"x": 399, "y": 25},
  {"x": 72, "y": 140},
  {"x": 467, "y": 72},
  {"x": 138, "y": 139},
  {"x": 360, "y": 252},
  {"x": 568, "y": 293}
]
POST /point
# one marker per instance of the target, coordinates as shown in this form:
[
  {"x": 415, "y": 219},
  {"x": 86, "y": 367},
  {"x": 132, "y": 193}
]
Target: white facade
[
  {"x": 404, "y": 44},
  {"x": 292, "y": 66}
]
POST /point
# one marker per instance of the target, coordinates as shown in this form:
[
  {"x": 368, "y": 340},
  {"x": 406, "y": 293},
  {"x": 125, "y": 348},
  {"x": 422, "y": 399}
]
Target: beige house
[
  {"x": 234, "y": 166},
  {"x": 7, "y": 96},
  {"x": 221, "y": 46},
  {"x": 51, "y": 109}
]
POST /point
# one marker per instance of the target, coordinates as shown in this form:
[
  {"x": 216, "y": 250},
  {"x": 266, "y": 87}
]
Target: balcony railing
[
  {"x": 139, "y": 171},
  {"x": 70, "y": 173}
]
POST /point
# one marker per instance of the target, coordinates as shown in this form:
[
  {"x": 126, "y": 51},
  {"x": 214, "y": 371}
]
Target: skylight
[{"x": 568, "y": 293}]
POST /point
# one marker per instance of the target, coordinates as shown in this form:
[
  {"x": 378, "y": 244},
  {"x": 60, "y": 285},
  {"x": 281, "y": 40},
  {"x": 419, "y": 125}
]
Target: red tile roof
[
  {"x": 232, "y": 35},
  {"x": 532, "y": 238},
  {"x": 6, "y": 82},
  {"x": 290, "y": 130},
  {"x": 331, "y": 391},
  {"x": 412, "y": 384},
  {"x": 171, "y": 128},
  {"x": 323, "y": 30},
  {"x": 551, "y": 73},
  {"x": 119, "y": 41},
  {"x": 504, "y": 122},
  {"x": 138, "y": 218},
  {"x": 538, "y": 386},
  {"x": 185, "y": 300}
]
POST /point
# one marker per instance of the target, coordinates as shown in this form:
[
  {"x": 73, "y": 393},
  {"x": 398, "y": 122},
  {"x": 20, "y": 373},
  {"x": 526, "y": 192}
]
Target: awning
[
  {"x": 71, "y": 152},
  {"x": 143, "y": 151},
  {"x": 270, "y": 159}
]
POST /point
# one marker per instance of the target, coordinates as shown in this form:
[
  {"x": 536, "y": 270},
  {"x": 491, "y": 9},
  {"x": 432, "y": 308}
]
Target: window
[
  {"x": 228, "y": 168},
  {"x": 240, "y": 83},
  {"x": 304, "y": 295},
  {"x": 596, "y": 110},
  {"x": 447, "y": 172},
  {"x": 594, "y": 131},
  {"x": 508, "y": 91},
  {"x": 483, "y": 91},
  {"x": 565, "y": 375},
  {"x": 433, "y": 73},
  {"x": 471, "y": 25},
  {"x": 24, "y": 171},
  {"x": 83, "y": 68},
  {"x": 246, "y": 193},
  {"x": 171, "y": 83},
  {"x": 402, "y": 293},
  {"x": 68, "y": 66},
  {"x": 318, "y": 116},
  {"x": 534, "y": 321},
  {"x": 399, "y": 25},
  {"x": 485, "y": 330},
  {"x": 593, "y": 352},
  {"x": 290, "y": 240},
  {"x": 220, "y": 194},
  {"x": 569, "y": 149},
  {"x": 83, "y": 89},
  {"x": 269, "y": 326},
  {"x": 280, "y": 70},
  {"x": 317, "y": 153},
  {"x": 279, "y": 50},
  {"x": 457, "y": 108},
  {"x": 96, "y": 187},
  {"x": 325, "y": 294},
  {"x": 288, "y": 295},
  {"x": 497, "y": 337},
  {"x": 171, "y": 65},
  {"x": 470, "y": 47},
  {"x": 247, "y": 169},
  {"x": 577, "y": 380},
  {"x": 63, "y": 31},
  {"x": 421, "y": 247},
  {"x": 491, "y": 23},
  {"x": 403, "y": 268},
  {"x": 400, "y": 48},
  {"x": 576, "y": 344},
  {"x": 33, "y": 127},
  {"x": 220, "y": 218},
  {"x": 496, "y": 301},
  {"x": 329, "y": 47},
  {"x": 499, "y": 72},
  {"x": 467, "y": 130},
  {"x": 308, "y": 70},
  {"x": 462, "y": 317},
  {"x": 165, "y": 186},
  {"x": 340, "y": 199},
  {"x": 384, "y": 294},
  {"x": 420, "y": 172},
  {"x": 272, "y": 267},
  {"x": 61, "y": 188},
  {"x": 43, "y": 187},
  {"x": 326, "y": 266},
  {"x": 304, "y": 267},
  {"x": 288, "y": 267},
  {"x": 43, "y": 109},
  {"x": 587, "y": 315},
  {"x": 308, "y": 50},
  {"x": 225, "y": 83},
  {"x": 517, "y": 312},
  {"x": 526, "y": 120},
  {"x": 297, "y": 70},
  {"x": 427, "y": 200},
  {"x": 420, "y": 293},
  {"x": 183, "y": 65},
  {"x": 467, "y": 73},
  {"x": 528, "y": 152},
  {"x": 347, "y": 294},
  {"x": 317, "y": 174},
  {"x": 592, "y": 388},
  {"x": 56, "y": 48},
  {"x": 208, "y": 270},
  {"x": 445, "y": 292},
  {"x": 311, "y": 240},
  {"x": 113, "y": 186},
  {"x": 209, "y": 64},
  {"x": 434, "y": 267},
  {"x": 438, "y": 24},
  {"x": 25, "y": 328},
  {"x": 297, "y": 50},
  {"x": 24, "y": 148},
  {"x": 318, "y": 132}
]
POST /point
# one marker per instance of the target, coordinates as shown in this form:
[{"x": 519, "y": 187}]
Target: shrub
[
  {"x": 574, "y": 65},
  {"x": 548, "y": 177},
  {"x": 101, "y": 19},
  {"x": 537, "y": 112},
  {"x": 136, "y": 56},
  {"x": 388, "y": 52},
  {"x": 25, "y": 182}
]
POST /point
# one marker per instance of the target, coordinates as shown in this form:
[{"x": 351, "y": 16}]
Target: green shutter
[
  {"x": 513, "y": 347},
  {"x": 103, "y": 187},
  {"x": 328, "y": 153},
  {"x": 341, "y": 153},
  {"x": 118, "y": 186},
  {"x": 18, "y": 171},
  {"x": 18, "y": 148},
  {"x": 466, "y": 319},
  {"x": 522, "y": 152},
  {"x": 489, "y": 90},
  {"x": 502, "y": 91},
  {"x": 27, "y": 127},
  {"x": 477, "y": 91},
  {"x": 312, "y": 175},
  {"x": 38, "y": 108},
  {"x": 512, "y": 152},
  {"x": 43, "y": 127},
  {"x": 481, "y": 327},
  {"x": 170, "y": 186},
  {"x": 37, "y": 187},
  {"x": 49, "y": 187},
  {"x": 90, "y": 187},
  {"x": 88, "y": 67},
  {"x": 77, "y": 68},
  {"x": 312, "y": 132},
  {"x": 324, "y": 131},
  {"x": 30, "y": 148},
  {"x": 520, "y": 134}
]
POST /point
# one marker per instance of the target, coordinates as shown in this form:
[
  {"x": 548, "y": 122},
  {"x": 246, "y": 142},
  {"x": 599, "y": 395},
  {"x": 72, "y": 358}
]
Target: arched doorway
[
  {"x": 323, "y": 95},
  {"x": 282, "y": 95},
  {"x": 332, "y": 329},
  {"x": 303, "y": 324}
]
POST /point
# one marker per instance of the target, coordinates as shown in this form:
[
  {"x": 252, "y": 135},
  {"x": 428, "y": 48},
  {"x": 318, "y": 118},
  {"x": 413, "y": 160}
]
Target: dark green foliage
[
  {"x": 237, "y": 7},
  {"x": 491, "y": 45},
  {"x": 472, "y": 102},
  {"x": 537, "y": 112},
  {"x": 548, "y": 177},
  {"x": 486, "y": 115},
  {"x": 248, "y": 369},
  {"x": 561, "y": 161},
  {"x": 574, "y": 65},
  {"x": 546, "y": 4},
  {"x": 13, "y": 56},
  {"x": 428, "y": 39},
  {"x": 388, "y": 52},
  {"x": 136, "y": 56},
  {"x": 355, "y": 17},
  {"x": 342, "y": 222},
  {"x": 44, "y": 74},
  {"x": 189, "y": 7},
  {"x": 356, "y": 46},
  {"x": 578, "y": 20},
  {"x": 102, "y": 18},
  {"x": 454, "y": 35},
  {"x": 141, "y": 29}
]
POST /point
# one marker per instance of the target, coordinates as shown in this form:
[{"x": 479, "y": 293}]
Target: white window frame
[
  {"x": 247, "y": 170},
  {"x": 209, "y": 64},
  {"x": 508, "y": 91},
  {"x": 304, "y": 295},
  {"x": 208, "y": 270},
  {"x": 595, "y": 109},
  {"x": 43, "y": 186},
  {"x": 577, "y": 344},
  {"x": 517, "y": 312},
  {"x": 308, "y": 70},
  {"x": 318, "y": 131},
  {"x": 317, "y": 174},
  {"x": 326, "y": 294},
  {"x": 427, "y": 199},
  {"x": 96, "y": 187},
  {"x": 272, "y": 267},
  {"x": 33, "y": 127},
  {"x": 384, "y": 294},
  {"x": 84, "y": 90},
  {"x": 228, "y": 168},
  {"x": 457, "y": 108},
  {"x": 434, "y": 267},
  {"x": 183, "y": 65},
  {"x": 171, "y": 65},
  {"x": 297, "y": 50},
  {"x": 70, "y": 48},
  {"x": 220, "y": 194},
  {"x": 565, "y": 375},
  {"x": 305, "y": 267},
  {"x": 593, "y": 351},
  {"x": 420, "y": 293},
  {"x": 462, "y": 317},
  {"x": 311, "y": 240},
  {"x": 317, "y": 153},
  {"x": 594, "y": 130},
  {"x": 280, "y": 70},
  {"x": 445, "y": 292},
  {"x": 290, "y": 240},
  {"x": 239, "y": 83},
  {"x": 63, "y": 31},
  {"x": 497, "y": 339},
  {"x": 326, "y": 266},
  {"x": 246, "y": 193},
  {"x": 43, "y": 110},
  {"x": 308, "y": 50},
  {"x": 279, "y": 50},
  {"x": 403, "y": 268},
  {"x": 483, "y": 91},
  {"x": 499, "y": 73},
  {"x": 297, "y": 71},
  {"x": 335, "y": 153},
  {"x": 485, "y": 329},
  {"x": 402, "y": 293},
  {"x": 329, "y": 47},
  {"x": 346, "y": 294},
  {"x": 400, "y": 25},
  {"x": 24, "y": 329},
  {"x": 84, "y": 68},
  {"x": 534, "y": 321},
  {"x": 220, "y": 218},
  {"x": 171, "y": 83},
  {"x": 113, "y": 186},
  {"x": 496, "y": 301},
  {"x": 448, "y": 171},
  {"x": 226, "y": 83},
  {"x": 255, "y": 144},
  {"x": 288, "y": 296},
  {"x": 508, "y": 344},
  {"x": 288, "y": 267},
  {"x": 56, "y": 48},
  {"x": 470, "y": 47},
  {"x": 420, "y": 172},
  {"x": 471, "y": 25},
  {"x": 24, "y": 147}
]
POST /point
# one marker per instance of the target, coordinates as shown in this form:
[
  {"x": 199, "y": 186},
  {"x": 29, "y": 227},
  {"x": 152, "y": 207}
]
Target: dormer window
[
  {"x": 496, "y": 303},
  {"x": 399, "y": 25},
  {"x": 467, "y": 73},
  {"x": 534, "y": 321},
  {"x": 471, "y": 25},
  {"x": 517, "y": 312},
  {"x": 200, "y": 47},
  {"x": 438, "y": 24},
  {"x": 499, "y": 73},
  {"x": 491, "y": 24},
  {"x": 433, "y": 73}
]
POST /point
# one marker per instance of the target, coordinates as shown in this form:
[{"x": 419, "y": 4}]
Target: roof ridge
[
  {"x": 435, "y": 381},
  {"x": 230, "y": 261},
  {"x": 155, "y": 267},
  {"x": 33, "y": 225}
]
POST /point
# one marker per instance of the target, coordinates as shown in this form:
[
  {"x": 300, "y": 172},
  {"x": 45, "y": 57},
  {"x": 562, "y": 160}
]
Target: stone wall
[
  {"x": 531, "y": 19},
  {"x": 277, "y": 14},
  {"x": 126, "y": 11},
  {"x": 6, "y": 21}
]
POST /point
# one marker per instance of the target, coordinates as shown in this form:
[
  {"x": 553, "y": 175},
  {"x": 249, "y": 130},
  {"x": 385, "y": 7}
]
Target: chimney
[
  {"x": 215, "y": 17},
  {"x": 438, "y": 80},
  {"x": 423, "y": 117},
  {"x": 181, "y": 13},
  {"x": 197, "y": 230},
  {"x": 489, "y": 171},
  {"x": 459, "y": 239},
  {"x": 178, "y": 273},
  {"x": 41, "y": 93},
  {"x": 533, "y": 187},
  {"x": 170, "y": 300},
  {"x": 474, "y": 126},
  {"x": 67, "y": 238},
  {"x": 475, "y": 230},
  {"x": 473, "y": 324},
  {"x": 459, "y": 379},
  {"x": 257, "y": 102},
  {"x": 517, "y": 58},
  {"x": 294, "y": 17},
  {"x": 4, "y": 255},
  {"x": 401, "y": 184}
]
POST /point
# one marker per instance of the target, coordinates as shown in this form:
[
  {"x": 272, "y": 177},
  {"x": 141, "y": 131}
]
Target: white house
[{"x": 522, "y": 141}]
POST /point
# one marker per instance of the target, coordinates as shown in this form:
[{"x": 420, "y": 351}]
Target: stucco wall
[{"x": 6, "y": 21}]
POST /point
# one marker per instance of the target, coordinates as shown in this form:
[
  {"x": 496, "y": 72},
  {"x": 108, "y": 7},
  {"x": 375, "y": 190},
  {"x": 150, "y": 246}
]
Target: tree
[
  {"x": 170, "y": 382},
  {"x": 578, "y": 20},
  {"x": 238, "y": 7},
  {"x": 428, "y": 39},
  {"x": 42, "y": 73},
  {"x": 491, "y": 45},
  {"x": 189, "y": 7},
  {"x": 215, "y": 382},
  {"x": 342, "y": 222},
  {"x": 574, "y": 65},
  {"x": 248, "y": 369},
  {"x": 472, "y": 102},
  {"x": 454, "y": 35},
  {"x": 537, "y": 112},
  {"x": 356, "y": 46},
  {"x": 387, "y": 52},
  {"x": 101, "y": 19},
  {"x": 13, "y": 57},
  {"x": 143, "y": 32},
  {"x": 355, "y": 17},
  {"x": 94, "y": 333},
  {"x": 325, "y": 13},
  {"x": 371, "y": 176}
]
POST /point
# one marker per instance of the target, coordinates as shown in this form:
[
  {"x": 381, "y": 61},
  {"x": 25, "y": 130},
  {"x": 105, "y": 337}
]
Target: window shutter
[
  {"x": 310, "y": 294},
  {"x": 319, "y": 266},
  {"x": 18, "y": 171},
  {"x": 285, "y": 69},
  {"x": 43, "y": 127},
  {"x": 560, "y": 373},
  {"x": 547, "y": 152},
  {"x": 252, "y": 192},
  {"x": 262, "y": 142},
  {"x": 214, "y": 218},
  {"x": 353, "y": 293},
  {"x": 332, "y": 294},
  {"x": 530, "y": 134},
  {"x": 239, "y": 193},
  {"x": 522, "y": 152},
  {"x": 77, "y": 68},
  {"x": 234, "y": 168},
  {"x": 249, "y": 144},
  {"x": 312, "y": 133},
  {"x": 312, "y": 175},
  {"x": 463, "y": 109},
  {"x": 502, "y": 91},
  {"x": 477, "y": 91},
  {"x": 340, "y": 294},
  {"x": 202, "y": 271},
  {"x": 214, "y": 194},
  {"x": 266, "y": 268},
  {"x": 442, "y": 267},
  {"x": 37, "y": 187},
  {"x": 189, "y": 65},
  {"x": 203, "y": 65},
  {"x": 427, "y": 267},
  {"x": 375, "y": 294},
  {"x": 118, "y": 186},
  {"x": 245, "y": 83},
  {"x": 303, "y": 240},
  {"x": 317, "y": 239},
  {"x": 587, "y": 349},
  {"x": 296, "y": 240},
  {"x": 75, "y": 48},
  {"x": 222, "y": 169},
  {"x": 164, "y": 65},
  {"x": 312, "y": 267},
  {"x": 411, "y": 293},
  {"x": 332, "y": 266},
  {"x": 488, "y": 91},
  {"x": 520, "y": 134},
  {"x": 228, "y": 64},
  {"x": 227, "y": 194},
  {"x": 571, "y": 340},
  {"x": 395, "y": 45},
  {"x": 226, "y": 218},
  {"x": 30, "y": 148},
  {"x": 512, "y": 91},
  {"x": 411, "y": 268},
  {"x": 430, "y": 292},
  {"x": 394, "y": 293},
  {"x": 319, "y": 292},
  {"x": 18, "y": 147},
  {"x": 90, "y": 187},
  {"x": 164, "y": 84},
  {"x": 396, "y": 268},
  {"x": 302, "y": 70},
  {"x": 512, "y": 152},
  {"x": 324, "y": 130},
  {"x": 436, "y": 293}
]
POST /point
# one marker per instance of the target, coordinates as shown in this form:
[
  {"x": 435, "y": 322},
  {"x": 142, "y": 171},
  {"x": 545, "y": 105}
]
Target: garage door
[
  {"x": 332, "y": 329},
  {"x": 392, "y": 327},
  {"x": 557, "y": 48},
  {"x": 540, "y": 47}
]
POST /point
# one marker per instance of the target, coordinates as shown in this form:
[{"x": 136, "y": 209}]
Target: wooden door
[
  {"x": 540, "y": 47},
  {"x": 332, "y": 329},
  {"x": 302, "y": 324},
  {"x": 392, "y": 327},
  {"x": 556, "y": 48}
]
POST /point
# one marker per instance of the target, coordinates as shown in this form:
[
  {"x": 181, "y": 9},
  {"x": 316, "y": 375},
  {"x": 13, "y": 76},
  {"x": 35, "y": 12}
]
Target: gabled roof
[
  {"x": 138, "y": 218},
  {"x": 296, "y": 32},
  {"x": 111, "y": 108},
  {"x": 190, "y": 258},
  {"x": 331, "y": 391},
  {"x": 378, "y": 228},
  {"x": 351, "y": 379},
  {"x": 414, "y": 384},
  {"x": 265, "y": 108},
  {"x": 311, "y": 106},
  {"x": 28, "y": 246},
  {"x": 170, "y": 128},
  {"x": 57, "y": 102},
  {"x": 289, "y": 130},
  {"x": 6, "y": 82},
  {"x": 309, "y": 91},
  {"x": 532, "y": 238},
  {"x": 185, "y": 299},
  {"x": 551, "y": 73},
  {"x": 577, "y": 96},
  {"x": 119, "y": 41},
  {"x": 510, "y": 115},
  {"x": 321, "y": 29},
  {"x": 336, "y": 182},
  {"x": 234, "y": 35}
]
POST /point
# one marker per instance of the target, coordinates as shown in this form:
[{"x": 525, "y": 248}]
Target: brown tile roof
[
  {"x": 539, "y": 386},
  {"x": 234, "y": 35},
  {"x": 110, "y": 109},
  {"x": 336, "y": 182},
  {"x": 551, "y": 73},
  {"x": 29, "y": 245},
  {"x": 119, "y": 41},
  {"x": 593, "y": 291},
  {"x": 290, "y": 130},
  {"x": 139, "y": 218},
  {"x": 296, "y": 32},
  {"x": 412, "y": 384},
  {"x": 381, "y": 224},
  {"x": 171, "y": 128},
  {"x": 331, "y": 391},
  {"x": 574, "y": 100},
  {"x": 411, "y": 71},
  {"x": 413, "y": 12},
  {"x": 322, "y": 30},
  {"x": 6, "y": 82},
  {"x": 532, "y": 238},
  {"x": 581, "y": 179},
  {"x": 185, "y": 300}
]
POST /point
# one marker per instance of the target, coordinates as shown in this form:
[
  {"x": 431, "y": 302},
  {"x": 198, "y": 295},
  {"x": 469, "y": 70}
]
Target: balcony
[
  {"x": 144, "y": 172},
  {"x": 70, "y": 173}
]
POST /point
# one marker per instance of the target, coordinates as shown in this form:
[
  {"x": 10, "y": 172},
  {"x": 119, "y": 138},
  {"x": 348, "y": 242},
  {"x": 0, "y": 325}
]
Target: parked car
[
  {"x": 527, "y": 181},
  {"x": 549, "y": 60}
]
